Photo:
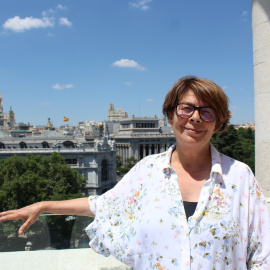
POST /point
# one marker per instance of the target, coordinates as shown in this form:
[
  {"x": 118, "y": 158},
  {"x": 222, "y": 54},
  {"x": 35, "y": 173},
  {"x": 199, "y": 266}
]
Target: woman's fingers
[
  {"x": 29, "y": 214},
  {"x": 8, "y": 215},
  {"x": 26, "y": 225}
]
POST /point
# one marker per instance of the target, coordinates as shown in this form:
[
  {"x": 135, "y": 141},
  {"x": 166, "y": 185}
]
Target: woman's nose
[{"x": 196, "y": 116}]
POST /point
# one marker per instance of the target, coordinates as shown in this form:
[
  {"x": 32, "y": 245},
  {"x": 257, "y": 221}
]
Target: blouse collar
[{"x": 216, "y": 160}]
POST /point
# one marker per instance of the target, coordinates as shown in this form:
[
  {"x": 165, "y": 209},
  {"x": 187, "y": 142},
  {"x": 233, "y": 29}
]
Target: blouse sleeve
[
  {"x": 258, "y": 253},
  {"x": 114, "y": 212}
]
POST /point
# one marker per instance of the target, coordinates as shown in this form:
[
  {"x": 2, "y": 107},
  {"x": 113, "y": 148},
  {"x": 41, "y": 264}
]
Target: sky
[{"x": 73, "y": 58}]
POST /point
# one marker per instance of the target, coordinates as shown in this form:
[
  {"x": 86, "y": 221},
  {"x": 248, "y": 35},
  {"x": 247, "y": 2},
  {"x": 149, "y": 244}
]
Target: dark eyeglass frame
[{"x": 195, "y": 108}]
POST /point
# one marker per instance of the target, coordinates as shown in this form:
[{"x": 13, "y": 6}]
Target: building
[
  {"x": 11, "y": 118},
  {"x": 139, "y": 137},
  {"x": 90, "y": 129},
  {"x": 3, "y": 116},
  {"x": 94, "y": 159},
  {"x": 116, "y": 115},
  {"x": 7, "y": 121},
  {"x": 246, "y": 126}
]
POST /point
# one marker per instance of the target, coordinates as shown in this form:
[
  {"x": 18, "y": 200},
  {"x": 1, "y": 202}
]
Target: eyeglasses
[{"x": 183, "y": 110}]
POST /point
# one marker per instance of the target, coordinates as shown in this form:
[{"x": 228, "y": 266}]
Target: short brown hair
[{"x": 204, "y": 90}]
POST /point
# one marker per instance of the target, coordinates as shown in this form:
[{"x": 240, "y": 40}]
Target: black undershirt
[{"x": 190, "y": 208}]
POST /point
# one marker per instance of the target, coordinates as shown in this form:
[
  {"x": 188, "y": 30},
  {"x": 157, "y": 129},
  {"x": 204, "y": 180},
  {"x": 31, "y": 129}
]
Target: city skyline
[{"x": 65, "y": 59}]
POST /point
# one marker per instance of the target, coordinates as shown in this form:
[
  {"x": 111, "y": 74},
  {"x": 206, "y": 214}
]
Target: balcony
[{"x": 53, "y": 242}]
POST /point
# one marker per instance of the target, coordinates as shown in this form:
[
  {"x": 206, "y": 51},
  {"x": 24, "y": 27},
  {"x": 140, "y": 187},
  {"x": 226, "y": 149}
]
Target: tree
[
  {"x": 26, "y": 180},
  {"x": 238, "y": 144},
  {"x": 119, "y": 162},
  {"x": 129, "y": 163}
]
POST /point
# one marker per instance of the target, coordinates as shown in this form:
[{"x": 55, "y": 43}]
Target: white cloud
[
  {"x": 45, "y": 13},
  {"x": 58, "y": 86},
  {"x": 53, "y": 10},
  {"x": 150, "y": 100},
  {"x": 128, "y": 83},
  {"x": 17, "y": 24},
  {"x": 61, "y": 7},
  {"x": 65, "y": 22},
  {"x": 141, "y": 4},
  {"x": 244, "y": 13},
  {"x": 126, "y": 63}
]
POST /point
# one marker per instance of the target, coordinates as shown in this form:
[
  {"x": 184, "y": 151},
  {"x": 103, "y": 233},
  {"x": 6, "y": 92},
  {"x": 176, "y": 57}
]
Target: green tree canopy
[
  {"x": 26, "y": 180},
  {"x": 129, "y": 163},
  {"x": 238, "y": 144}
]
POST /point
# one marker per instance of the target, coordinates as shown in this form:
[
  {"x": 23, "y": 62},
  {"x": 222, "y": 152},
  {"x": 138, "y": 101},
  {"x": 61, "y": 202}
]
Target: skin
[
  {"x": 192, "y": 157},
  {"x": 30, "y": 214}
]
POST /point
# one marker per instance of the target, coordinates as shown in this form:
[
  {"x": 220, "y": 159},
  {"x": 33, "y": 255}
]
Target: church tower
[
  {"x": 11, "y": 118},
  {"x": 110, "y": 112},
  {"x": 1, "y": 103}
]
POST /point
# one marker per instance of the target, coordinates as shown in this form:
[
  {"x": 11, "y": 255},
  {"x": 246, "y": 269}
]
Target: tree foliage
[
  {"x": 26, "y": 180},
  {"x": 129, "y": 163},
  {"x": 238, "y": 144}
]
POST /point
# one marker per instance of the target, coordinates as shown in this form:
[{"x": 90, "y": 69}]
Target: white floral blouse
[{"x": 142, "y": 221}]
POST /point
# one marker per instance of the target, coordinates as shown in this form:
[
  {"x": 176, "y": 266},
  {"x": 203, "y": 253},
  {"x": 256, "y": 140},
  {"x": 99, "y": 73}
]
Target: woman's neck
[{"x": 192, "y": 158}]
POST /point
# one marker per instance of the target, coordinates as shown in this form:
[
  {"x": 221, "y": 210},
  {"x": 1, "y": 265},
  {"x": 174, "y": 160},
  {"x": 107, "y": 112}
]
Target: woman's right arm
[{"x": 31, "y": 213}]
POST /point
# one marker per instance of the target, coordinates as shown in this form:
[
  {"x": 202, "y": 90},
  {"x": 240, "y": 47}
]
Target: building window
[
  {"x": 104, "y": 170},
  {"x": 2, "y": 146},
  {"x": 45, "y": 145},
  {"x": 23, "y": 145},
  {"x": 68, "y": 144},
  {"x": 71, "y": 161}
]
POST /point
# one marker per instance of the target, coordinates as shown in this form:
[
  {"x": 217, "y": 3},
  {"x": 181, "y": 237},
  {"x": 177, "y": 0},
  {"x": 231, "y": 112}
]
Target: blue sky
[{"x": 74, "y": 58}]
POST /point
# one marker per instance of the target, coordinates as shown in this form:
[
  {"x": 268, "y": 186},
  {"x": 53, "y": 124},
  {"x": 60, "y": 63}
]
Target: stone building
[
  {"x": 116, "y": 115},
  {"x": 3, "y": 116},
  {"x": 139, "y": 137},
  {"x": 7, "y": 120},
  {"x": 92, "y": 158},
  {"x": 11, "y": 118}
]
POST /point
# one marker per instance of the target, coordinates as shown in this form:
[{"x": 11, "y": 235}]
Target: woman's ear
[
  {"x": 170, "y": 118},
  {"x": 216, "y": 128}
]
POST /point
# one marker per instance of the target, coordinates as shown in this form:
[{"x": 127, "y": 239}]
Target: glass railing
[{"x": 47, "y": 233}]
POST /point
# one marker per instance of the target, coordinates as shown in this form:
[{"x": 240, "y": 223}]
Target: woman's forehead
[{"x": 192, "y": 98}]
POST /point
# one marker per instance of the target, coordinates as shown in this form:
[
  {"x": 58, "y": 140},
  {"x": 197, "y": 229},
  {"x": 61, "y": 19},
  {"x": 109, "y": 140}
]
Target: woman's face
[{"x": 192, "y": 131}]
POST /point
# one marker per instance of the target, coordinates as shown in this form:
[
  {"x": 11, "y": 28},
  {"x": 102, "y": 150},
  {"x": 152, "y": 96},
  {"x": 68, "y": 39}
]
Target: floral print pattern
[{"x": 142, "y": 221}]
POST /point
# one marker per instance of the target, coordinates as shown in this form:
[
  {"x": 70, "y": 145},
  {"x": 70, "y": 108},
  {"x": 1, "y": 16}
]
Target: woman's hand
[{"x": 29, "y": 214}]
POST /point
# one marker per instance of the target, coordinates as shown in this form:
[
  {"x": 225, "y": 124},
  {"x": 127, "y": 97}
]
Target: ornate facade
[
  {"x": 93, "y": 159},
  {"x": 139, "y": 137}
]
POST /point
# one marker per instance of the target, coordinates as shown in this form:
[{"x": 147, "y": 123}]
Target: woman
[{"x": 188, "y": 208}]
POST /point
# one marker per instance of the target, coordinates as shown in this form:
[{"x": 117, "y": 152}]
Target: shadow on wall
[{"x": 265, "y": 4}]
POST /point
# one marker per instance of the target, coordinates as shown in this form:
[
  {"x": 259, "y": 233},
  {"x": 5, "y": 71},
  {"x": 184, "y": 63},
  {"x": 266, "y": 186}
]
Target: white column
[
  {"x": 261, "y": 59},
  {"x": 150, "y": 149},
  {"x": 137, "y": 151}
]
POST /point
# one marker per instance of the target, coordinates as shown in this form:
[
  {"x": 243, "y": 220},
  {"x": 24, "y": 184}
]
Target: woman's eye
[{"x": 187, "y": 109}]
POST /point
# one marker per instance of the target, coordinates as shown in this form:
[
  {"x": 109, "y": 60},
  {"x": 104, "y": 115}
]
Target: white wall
[{"x": 68, "y": 259}]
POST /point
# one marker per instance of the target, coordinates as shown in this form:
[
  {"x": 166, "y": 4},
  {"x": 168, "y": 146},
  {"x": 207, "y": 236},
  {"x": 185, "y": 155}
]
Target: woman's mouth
[{"x": 194, "y": 131}]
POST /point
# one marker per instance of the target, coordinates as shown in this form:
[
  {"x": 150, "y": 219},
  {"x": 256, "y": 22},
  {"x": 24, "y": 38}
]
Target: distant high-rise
[
  {"x": 1, "y": 103},
  {"x": 11, "y": 118},
  {"x": 116, "y": 115},
  {"x": 3, "y": 116}
]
